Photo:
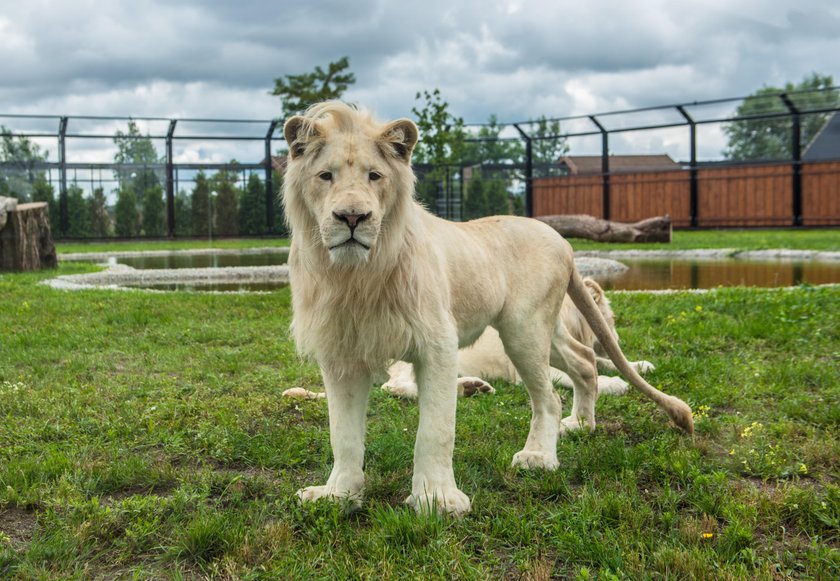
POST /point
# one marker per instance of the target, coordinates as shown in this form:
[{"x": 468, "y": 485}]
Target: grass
[
  {"x": 142, "y": 435},
  {"x": 753, "y": 239}
]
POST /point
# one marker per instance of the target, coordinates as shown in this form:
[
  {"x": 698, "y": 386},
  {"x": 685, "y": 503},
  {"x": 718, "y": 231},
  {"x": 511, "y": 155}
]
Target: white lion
[
  {"x": 486, "y": 358},
  {"x": 376, "y": 278}
]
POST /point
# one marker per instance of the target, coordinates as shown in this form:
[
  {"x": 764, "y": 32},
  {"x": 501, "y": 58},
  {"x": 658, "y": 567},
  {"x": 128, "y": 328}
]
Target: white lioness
[
  {"x": 376, "y": 278},
  {"x": 486, "y": 358}
]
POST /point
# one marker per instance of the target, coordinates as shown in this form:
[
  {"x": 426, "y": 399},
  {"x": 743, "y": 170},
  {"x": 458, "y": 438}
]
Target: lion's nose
[{"x": 351, "y": 219}]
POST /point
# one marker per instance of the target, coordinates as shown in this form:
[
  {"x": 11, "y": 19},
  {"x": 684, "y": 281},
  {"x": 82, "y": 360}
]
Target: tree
[
  {"x": 153, "y": 212},
  {"x": 441, "y": 146},
  {"x": 100, "y": 221},
  {"x": 225, "y": 206},
  {"x": 42, "y": 191},
  {"x": 19, "y": 157},
  {"x": 546, "y": 146},
  {"x": 133, "y": 150},
  {"x": 771, "y": 138},
  {"x": 298, "y": 92},
  {"x": 78, "y": 213},
  {"x": 200, "y": 205},
  {"x": 127, "y": 217},
  {"x": 475, "y": 204},
  {"x": 183, "y": 214},
  {"x": 252, "y": 219}
]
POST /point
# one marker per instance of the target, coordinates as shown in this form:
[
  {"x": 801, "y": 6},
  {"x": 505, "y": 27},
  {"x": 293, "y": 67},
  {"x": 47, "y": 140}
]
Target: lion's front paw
[
  {"x": 529, "y": 460},
  {"x": 351, "y": 501},
  {"x": 469, "y": 386},
  {"x": 403, "y": 389},
  {"x": 443, "y": 500},
  {"x": 575, "y": 423},
  {"x": 643, "y": 366}
]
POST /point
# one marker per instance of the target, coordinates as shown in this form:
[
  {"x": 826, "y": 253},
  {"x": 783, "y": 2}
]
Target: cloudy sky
[{"x": 517, "y": 59}]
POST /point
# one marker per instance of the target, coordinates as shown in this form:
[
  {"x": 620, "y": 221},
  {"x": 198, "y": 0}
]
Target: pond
[
  {"x": 662, "y": 274},
  {"x": 257, "y": 270}
]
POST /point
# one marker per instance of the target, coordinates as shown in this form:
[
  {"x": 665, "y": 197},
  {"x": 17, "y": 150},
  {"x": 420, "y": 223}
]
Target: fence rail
[{"x": 794, "y": 191}]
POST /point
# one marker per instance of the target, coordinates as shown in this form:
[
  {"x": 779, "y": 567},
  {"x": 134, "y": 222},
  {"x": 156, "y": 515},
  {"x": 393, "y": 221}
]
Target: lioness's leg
[
  {"x": 433, "y": 484},
  {"x": 527, "y": 348},
  {"x": 347, "y": 398},
  {"x": 578, "y": 361}
]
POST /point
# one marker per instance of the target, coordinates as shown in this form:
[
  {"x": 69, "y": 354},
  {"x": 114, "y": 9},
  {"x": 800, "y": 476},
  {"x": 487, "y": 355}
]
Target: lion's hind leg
[
  {"x": 578, "y": 361},
  {"x": 528, "y": 350}
]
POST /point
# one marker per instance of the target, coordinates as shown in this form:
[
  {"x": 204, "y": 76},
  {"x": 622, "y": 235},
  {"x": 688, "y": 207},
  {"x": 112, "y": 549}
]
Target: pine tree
[
  {"x": 42, "y": 191},
  {"x": 78, "y": 214},
  {"x": 252, "y": 218},
  {"x": 127, "y": 217},
  {"x": 183, "y": 214},
  {"x": 225, "y": 206},
  {"x": 100, "y": 221},
  {"x": 475, "y": 205},
  {"x": 153, "y": 212},
  {"x": 200, "y": 205}
]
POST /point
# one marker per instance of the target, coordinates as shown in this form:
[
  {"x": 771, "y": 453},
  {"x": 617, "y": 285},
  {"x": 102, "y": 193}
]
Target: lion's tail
[{"x": 677, "y": 409}]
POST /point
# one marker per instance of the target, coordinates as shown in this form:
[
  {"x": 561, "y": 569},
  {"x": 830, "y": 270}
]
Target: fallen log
[
  {"x": 657, "y": 229},
  {"x": 25, "y": 238}
]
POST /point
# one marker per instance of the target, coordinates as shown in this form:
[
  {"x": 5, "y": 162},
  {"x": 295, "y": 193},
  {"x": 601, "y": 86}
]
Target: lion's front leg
[
  {"x": 347, "y": 398},
  {"x": 433, "y": 484}
]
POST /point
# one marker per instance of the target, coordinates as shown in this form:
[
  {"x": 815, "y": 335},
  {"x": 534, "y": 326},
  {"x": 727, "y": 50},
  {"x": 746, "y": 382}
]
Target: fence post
[
  {"x": 692, "y": 128},
  {"x": 170, "y": 180},
  {"x": 605, "y": 168},
  {"x": 269, "y": 179},
  {"x": 529, "y": 172},
  {"x": 796, "y": 150},
  {"x": 63, "y": 221}
]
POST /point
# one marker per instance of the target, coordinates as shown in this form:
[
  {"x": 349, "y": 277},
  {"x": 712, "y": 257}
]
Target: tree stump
[
  {"x": 656, "y": 229},
  {"x": 25, "y": 239}
]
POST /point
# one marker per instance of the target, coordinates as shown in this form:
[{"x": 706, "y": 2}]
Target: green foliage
[
  {"x": 135, "y": 149},
  {"x": 42, "y": 191},
  {"x": 441, "y": 145},
  {"x": 547, "y": 150},
  {"x": 127, "y": 217},
  {"x": 20, "y": 155},
  {"x": 154, "y": 208},
  {"x": 100, "y": 220},
  {"x": 225, "y": 206},
  {"x": 771, "y": 139},
  {"x": 183, "y": 214},
  {"x": 298, "y": 92},
  {"x": 252, "y": 207},
  {"x": 78, "y": 213},
  {"x": 200, "y": 205}
]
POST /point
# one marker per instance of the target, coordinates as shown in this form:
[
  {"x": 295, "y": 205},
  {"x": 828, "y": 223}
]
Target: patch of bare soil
[{"x": 17, "y": 525}]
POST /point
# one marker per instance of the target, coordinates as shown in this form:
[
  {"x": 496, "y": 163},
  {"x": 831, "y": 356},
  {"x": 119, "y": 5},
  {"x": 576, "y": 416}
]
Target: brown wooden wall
[{"x": 744, "y": 195}]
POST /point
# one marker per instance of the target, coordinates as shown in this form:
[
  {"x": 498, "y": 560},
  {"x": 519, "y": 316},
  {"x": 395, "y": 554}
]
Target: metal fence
[{"x": 549, "y": 165}]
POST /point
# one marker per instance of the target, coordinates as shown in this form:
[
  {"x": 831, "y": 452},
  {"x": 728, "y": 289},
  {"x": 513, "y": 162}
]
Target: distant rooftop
[
  {"x": 826, "y": 143},
  {"x": 591, "y": 164}
]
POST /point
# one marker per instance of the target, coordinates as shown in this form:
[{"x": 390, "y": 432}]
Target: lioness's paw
[
  {"x": 576, "y": 423},
  {"x": 469, "y": 386},
  {"x": 444, "y": 500},
  {"x": 611, "y": 385},
  {"x": 352, "y": 501},
  {"x": 643, "y": 366},
  {"x": 403, "y": 389},
  {"x": 531, "y": 460}
]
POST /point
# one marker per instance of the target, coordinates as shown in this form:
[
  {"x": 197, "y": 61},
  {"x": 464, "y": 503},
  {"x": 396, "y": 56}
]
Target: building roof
[
  {"x": 826, "y": 143},
  {"x": 591, "y": 164}
]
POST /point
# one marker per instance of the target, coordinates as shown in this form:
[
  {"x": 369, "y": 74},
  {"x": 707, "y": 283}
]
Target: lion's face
[{"x": 347, "y": 174}]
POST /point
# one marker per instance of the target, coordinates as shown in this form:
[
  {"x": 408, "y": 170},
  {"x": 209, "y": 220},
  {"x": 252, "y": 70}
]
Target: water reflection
[{"x": 687, "y": 274}]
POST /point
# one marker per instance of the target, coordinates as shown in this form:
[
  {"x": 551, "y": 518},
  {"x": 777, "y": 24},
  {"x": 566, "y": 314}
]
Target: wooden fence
[{"x": 732, "y": 196}]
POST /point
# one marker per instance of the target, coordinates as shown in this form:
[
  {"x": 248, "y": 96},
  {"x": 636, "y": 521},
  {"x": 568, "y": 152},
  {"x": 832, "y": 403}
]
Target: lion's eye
[
  {"x": 326, "y": 176},
  {"x": 374, "y": 176}
]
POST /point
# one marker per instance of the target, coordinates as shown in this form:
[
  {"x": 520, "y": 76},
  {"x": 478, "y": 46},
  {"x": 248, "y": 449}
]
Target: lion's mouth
[{"x": 349, "y": 242}]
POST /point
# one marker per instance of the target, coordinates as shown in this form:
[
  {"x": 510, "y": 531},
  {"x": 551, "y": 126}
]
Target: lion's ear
[
  {"x": 399, "y": 138},
  {"x": 298, "y": 132}
]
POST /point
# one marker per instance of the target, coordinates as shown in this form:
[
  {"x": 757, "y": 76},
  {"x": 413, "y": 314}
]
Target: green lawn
[
  {"x": 816, "y": 239},
  {"x": 142, "y": 436}
]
